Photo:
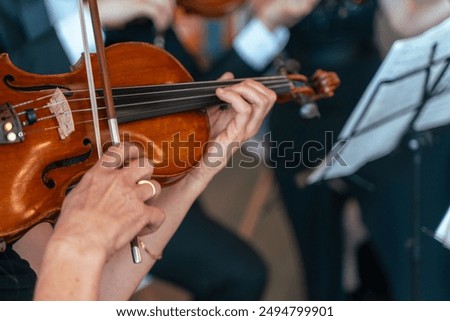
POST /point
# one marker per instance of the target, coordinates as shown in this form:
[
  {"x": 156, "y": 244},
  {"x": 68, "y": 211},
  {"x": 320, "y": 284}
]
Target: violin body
[{"x": 40, "y": 164}]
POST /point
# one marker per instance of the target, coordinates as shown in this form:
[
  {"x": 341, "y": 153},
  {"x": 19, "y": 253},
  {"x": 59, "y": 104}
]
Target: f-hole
[
  {"x": 50, "y": 183},
  {"x": 9, "y": 79}
]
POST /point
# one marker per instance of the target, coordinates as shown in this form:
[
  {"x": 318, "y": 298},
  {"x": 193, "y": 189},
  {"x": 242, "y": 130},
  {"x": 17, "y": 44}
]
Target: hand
[
  {"x": 107, "y": 208},
  {"x": 275, "y": 13},
  {"x": 412, "y": 17},
  {"x": 250, "y": 102},
  {"x": 117, "y": 13}
]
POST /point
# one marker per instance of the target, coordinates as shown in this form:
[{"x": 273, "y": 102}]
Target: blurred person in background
[{"x": 339, "y": 36}]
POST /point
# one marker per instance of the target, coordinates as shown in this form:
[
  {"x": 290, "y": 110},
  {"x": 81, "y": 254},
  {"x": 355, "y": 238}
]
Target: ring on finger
[{"x": 144, "y": 181}]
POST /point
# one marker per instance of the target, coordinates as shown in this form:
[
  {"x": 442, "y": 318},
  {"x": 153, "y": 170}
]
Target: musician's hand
[
  {"x": 107, "y": 208},
  {"x": 249, "y": 102},
  {"x": 117, "y": 13},
  {"x": 275, "y": 13}
]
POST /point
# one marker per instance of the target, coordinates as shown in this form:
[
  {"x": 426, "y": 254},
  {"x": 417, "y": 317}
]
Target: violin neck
[{"x": 137, "y": 103}]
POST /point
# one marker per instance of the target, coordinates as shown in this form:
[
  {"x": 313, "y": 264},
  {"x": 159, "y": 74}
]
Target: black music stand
[{"x": 408, "y": 98}]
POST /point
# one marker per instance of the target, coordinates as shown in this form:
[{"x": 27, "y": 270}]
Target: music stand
[{"x": 407, "y": 98}]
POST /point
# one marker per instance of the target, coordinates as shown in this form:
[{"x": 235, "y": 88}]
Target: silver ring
[{"x": 144, "y": 181}]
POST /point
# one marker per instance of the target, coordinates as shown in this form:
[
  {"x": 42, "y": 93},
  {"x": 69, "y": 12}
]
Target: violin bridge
[{"x": 60, "y": 107}]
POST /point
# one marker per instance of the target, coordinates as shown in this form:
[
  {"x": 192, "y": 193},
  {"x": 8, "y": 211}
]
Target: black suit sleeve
[{"x": 232, "y": 62}]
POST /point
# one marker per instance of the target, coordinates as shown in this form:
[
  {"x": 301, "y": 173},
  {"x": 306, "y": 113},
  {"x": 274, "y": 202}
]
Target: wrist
[
  {"x": 76, "y": 249},
  {"x": 69, "y": 271},
  {"x": 269, "y": 23},
  {"x": 196, "y": 181}
]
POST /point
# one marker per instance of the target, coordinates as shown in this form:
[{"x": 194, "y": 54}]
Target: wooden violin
[
  {"x": 210, "y": 8},
  {"x": 219, "y": 8},
  {"x": 47, "y": 138}
]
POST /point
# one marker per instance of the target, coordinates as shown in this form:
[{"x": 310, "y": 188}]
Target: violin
[
  {"x": 210, "y": 8},
  {"x": 219, "y": 8},
  {"x": 47, "y": 137}
]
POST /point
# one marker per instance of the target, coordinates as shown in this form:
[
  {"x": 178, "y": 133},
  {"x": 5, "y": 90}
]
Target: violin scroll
[
  {"x": 303, "y": 89},
  {"x": 321, "y": 85},
  {"x": 306, "y": 91},
  {"x": 324, "y": 83}
]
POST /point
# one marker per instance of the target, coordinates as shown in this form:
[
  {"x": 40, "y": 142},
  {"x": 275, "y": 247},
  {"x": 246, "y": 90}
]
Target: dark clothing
[
  {"x": 17, "y": 279},
  {"x": 28, "y": 38},
  {"x": 211, "y": 261},
  {"x": 388, "y": 213}
]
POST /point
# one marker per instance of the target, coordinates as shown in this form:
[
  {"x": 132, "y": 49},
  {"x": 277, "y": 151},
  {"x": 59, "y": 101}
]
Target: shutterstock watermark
[
  {"x": 186, "y": 152},
  {"x": 289, "y": 153}
]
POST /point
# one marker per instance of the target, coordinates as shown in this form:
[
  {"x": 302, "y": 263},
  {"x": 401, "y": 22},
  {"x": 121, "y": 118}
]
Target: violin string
[
  {"x": 57, "y": 127},
  {"x": 201, "y": 84},
  {"x": 152, "y": 111},
  {"x": 169, "y": 109},
  {"x": 195, "y": 86},
  {"x": 149, "y": 113},
  {"x": 129, "y": 104},
  {"x": 271, "y": 82},
  {"x": 268, "y": 84},
  {"x": 44, "y": 107},
  {"x": 277, "y": 85},
  {"x": 146, "y": 103},
  {"x": 272, "y": 85}
]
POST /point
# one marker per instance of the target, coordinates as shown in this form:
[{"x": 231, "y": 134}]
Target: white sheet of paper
[
  {"x": 443, "y": 231},
  {"x": 415, "y": 72}
]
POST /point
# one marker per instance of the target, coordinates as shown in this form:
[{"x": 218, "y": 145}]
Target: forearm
[
  {"x": 411, "y": 17},
  {"x": 121, "y": 276},
  {"x": 63, "y": 278}
]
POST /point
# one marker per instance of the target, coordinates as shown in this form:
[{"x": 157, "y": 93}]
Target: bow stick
[{"x": 109, "y": 101}]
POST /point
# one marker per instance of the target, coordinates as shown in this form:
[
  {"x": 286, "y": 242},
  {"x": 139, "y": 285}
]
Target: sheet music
[
  {"x": 412, "y": 86},
  {"x": 443, "y": 231}
]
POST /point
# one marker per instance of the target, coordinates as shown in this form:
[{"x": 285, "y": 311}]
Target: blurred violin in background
[
  {"x": 218, "y": 8},
  {"x": 210, "y": 8}
]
